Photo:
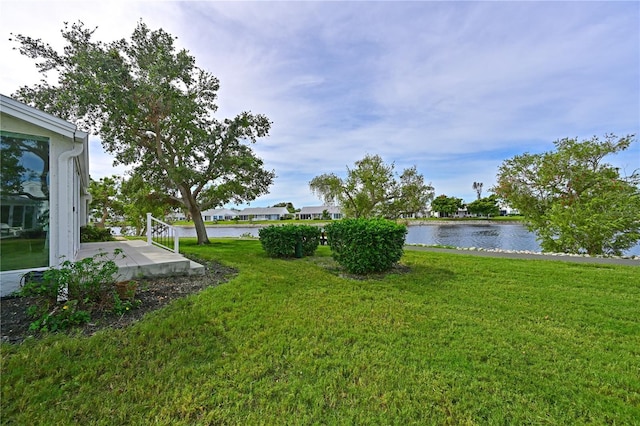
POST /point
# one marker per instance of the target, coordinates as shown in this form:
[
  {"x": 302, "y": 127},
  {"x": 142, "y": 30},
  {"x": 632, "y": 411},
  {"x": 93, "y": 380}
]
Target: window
[{"x": 24, "y": 201}]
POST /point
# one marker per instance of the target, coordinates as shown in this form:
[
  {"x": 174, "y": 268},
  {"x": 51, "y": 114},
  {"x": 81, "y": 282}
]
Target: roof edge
[{"x": 45, "y": 120}]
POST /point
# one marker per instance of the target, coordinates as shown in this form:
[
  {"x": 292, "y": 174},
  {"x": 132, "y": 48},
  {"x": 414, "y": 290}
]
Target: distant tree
[
  {"x": 487, "y": 206},
  {"x": 138, "y": 197},
  {"x": 104, "y": 199},
  {"x": 575, "y": 202},
  {"x": 477, "y": 186},
  {"x": 446, "y": 205},
  {"x": 372, "y": 189},
  {"x": 153, "y": 108},
  {"x": 288, "y": 205}
]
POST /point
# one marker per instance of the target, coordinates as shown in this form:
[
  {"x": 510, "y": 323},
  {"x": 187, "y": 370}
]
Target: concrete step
[
  {"x": 196, "y": 268},
  {"x": 141, "y": 260}
]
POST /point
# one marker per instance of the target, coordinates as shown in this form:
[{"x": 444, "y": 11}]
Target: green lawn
[{"x": 457, "y": 340}]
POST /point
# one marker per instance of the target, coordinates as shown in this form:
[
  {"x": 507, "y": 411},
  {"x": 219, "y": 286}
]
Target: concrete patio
[{"x": 142, "y": 260}]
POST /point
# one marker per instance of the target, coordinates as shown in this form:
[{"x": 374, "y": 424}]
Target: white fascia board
[{"x": 32, "y": 115}]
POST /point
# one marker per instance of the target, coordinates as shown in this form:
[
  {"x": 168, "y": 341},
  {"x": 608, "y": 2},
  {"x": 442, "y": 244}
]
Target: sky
[{"x": 452, "y": 88}]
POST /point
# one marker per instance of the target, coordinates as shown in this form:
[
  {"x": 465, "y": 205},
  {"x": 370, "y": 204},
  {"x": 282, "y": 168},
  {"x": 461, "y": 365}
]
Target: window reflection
[{"x": 24, "y": 201}]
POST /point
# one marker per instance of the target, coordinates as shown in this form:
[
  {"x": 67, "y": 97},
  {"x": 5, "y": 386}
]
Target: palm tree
[{"x": 477, "y": 186}]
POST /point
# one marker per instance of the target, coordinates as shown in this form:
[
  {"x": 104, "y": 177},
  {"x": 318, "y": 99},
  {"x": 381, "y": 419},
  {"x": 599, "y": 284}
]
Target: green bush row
[
  {"x": 93, "y": 234},
  {"x": 281, "y": 240},
  {"x": 363, "y": 246}
]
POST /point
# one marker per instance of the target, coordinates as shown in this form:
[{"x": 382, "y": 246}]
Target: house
[
  {"x": 264, "y": 213},
  {"x": 43, "y": 190},
  {"x": 319, "y": 212},
  {"x": 218, "y": 214},
  {"x": 506, "y": 210},
  {"x": 461, "y": 213}
]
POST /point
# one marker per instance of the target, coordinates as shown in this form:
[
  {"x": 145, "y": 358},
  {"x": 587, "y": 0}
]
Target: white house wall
[{"x": 64, "y": 235}]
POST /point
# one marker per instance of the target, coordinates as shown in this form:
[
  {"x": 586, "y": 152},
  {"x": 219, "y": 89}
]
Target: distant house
[
  {"x": 264, "y": 213},
  {"x": 461, "y": 213},
  {"x": 506, "y": 210},
  {"x": 319, "y": 212},
  {"x": 219, "y": 214},
  {"x": 43, "y": 192}
]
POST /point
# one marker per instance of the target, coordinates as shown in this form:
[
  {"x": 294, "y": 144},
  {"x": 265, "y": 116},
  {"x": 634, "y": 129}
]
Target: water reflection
[
  {"x": 24, "y": 201},
  {"x": 489, "y": 236},
  {"x": 503, "y": 236}
]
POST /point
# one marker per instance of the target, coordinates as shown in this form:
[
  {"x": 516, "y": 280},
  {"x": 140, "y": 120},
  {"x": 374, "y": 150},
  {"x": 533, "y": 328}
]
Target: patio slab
[{"x": 142, "y": 260}]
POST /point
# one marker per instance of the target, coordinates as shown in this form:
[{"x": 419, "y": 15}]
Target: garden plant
[
  {"x": 364, "y": 246},
  {"x": 63, "y": 296},
  {"x": 289, "y": 240}
]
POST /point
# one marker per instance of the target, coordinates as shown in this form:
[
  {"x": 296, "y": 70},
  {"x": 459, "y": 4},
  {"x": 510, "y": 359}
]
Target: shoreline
[
  {"x": 323, "y": 223},
  {"x": 631, "y": 260}
]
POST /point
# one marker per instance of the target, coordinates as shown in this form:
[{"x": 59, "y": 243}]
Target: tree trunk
[
  {"x": 201, "y": 231},
  {"x": 196, "y": 215},
  {"x": 103, "y": 219}
]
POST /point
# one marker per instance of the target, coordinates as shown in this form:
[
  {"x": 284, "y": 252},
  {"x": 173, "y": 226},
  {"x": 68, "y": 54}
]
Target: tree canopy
[
  {"x": 446, "y": 205},
  {"x": 487, "y": 206},
  {"x": 104, "y": 199},
  {"x": 138, "y": 197},
  {"x": 572, "y": 199},
  {"x": 373, "y": 189},
  {"x": 153, "y": 109}
]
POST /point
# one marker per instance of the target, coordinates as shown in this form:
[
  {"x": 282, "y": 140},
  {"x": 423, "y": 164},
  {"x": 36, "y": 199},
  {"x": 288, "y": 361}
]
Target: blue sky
[{"x": 453, "y": 88}]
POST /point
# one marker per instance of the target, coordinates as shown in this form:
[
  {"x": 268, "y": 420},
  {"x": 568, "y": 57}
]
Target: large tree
[
  {"x": 104, "y": 199},
  {"x": 487, "y": 206},
  {"x": 153, "y": 108},
  {"x": 138, "y": 197},
  {"x": 446, "y": 206},
  {"x": 372, "y": 189},
  {"x": 572, "y": 199}
]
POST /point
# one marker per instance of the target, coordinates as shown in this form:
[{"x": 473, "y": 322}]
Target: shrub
[
  {"x": 93, "y": 234},
  {"x": 85, "y": 283},
  {"x": 281, "y": 240},
  {"x": 362, "y": 246}
]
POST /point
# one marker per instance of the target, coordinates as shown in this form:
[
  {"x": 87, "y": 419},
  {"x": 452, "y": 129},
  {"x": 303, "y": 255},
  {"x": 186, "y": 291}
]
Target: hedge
[
  {"x": 281, "y": 240},
  {"x": 93, "y": 234},
  {"x": 363, "y": 246}
]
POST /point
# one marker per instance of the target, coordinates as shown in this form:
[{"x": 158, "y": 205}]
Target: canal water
[{"x": 501, "y": 236}]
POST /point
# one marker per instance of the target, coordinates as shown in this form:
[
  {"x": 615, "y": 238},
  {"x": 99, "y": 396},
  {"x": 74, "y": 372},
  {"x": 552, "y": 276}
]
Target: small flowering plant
[
  {"x": 85, "y": 284},
  {"x": 60, "y": 318}
]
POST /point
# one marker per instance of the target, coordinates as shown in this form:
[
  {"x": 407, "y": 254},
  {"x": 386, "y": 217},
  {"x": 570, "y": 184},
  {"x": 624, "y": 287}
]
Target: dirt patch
[{"x": 153, "y": 293}]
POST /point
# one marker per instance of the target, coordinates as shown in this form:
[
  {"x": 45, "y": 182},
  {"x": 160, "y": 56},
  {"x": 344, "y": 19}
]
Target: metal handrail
[{"x": 162, "y": 234}]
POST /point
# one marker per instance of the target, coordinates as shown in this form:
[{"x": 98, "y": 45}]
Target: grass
[{"x": 455, "y": 340}]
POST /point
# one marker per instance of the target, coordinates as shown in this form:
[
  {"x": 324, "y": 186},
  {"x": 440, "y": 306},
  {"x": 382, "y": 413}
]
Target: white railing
[{"x": 162, "y": 234}]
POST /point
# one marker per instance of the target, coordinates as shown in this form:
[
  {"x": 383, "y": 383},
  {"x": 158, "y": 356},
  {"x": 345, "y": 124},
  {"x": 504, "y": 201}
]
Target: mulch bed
[{"x": 153, "y": 293}]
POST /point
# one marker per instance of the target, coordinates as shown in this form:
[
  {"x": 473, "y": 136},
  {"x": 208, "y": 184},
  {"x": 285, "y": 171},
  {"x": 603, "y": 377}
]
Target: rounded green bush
[
  {"x": 363, "y": 246},
  {"x": 281, "y": 240}
]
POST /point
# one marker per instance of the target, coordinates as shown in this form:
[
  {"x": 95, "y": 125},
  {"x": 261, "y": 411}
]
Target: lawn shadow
[
  {"x": 412, "y": 278},
  {"x": 424, "y": 278}
]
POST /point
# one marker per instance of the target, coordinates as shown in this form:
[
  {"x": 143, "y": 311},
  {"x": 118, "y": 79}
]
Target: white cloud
[{"x": 452, "y": 87}]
